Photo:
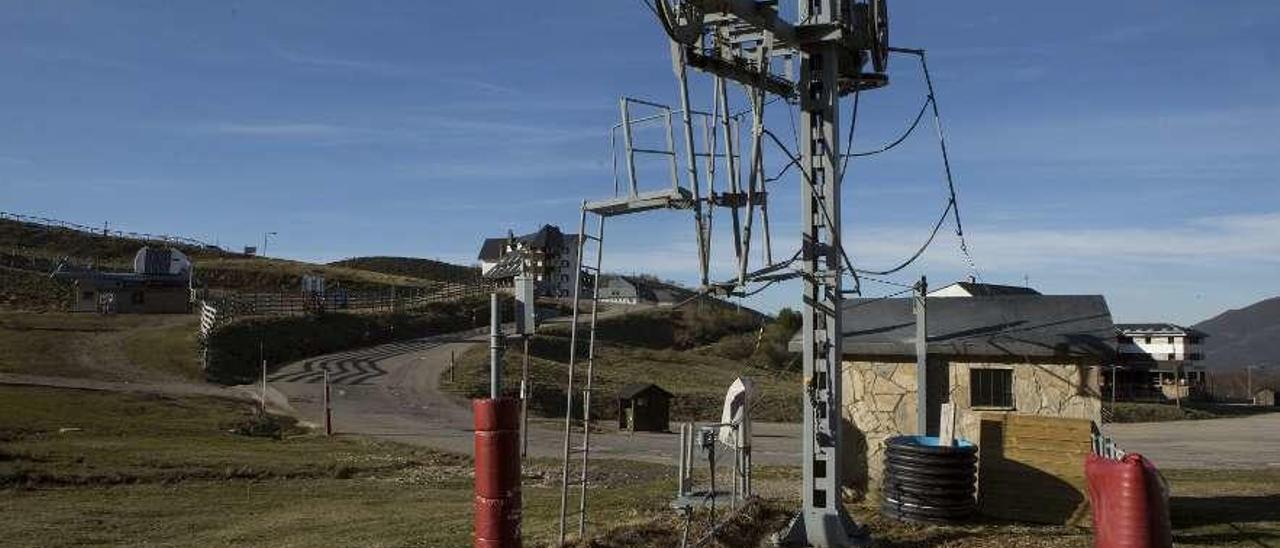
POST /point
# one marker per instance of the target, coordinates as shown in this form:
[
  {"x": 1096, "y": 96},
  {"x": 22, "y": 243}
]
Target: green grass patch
[
  {"x": 89, "y": 468},
  {"x": 171, "y": 349},
  {"x": 88, "y": 345}
]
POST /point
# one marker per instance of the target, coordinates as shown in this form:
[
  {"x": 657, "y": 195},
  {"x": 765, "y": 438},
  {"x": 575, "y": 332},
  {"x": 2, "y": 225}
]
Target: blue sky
[{"x": 1124, "y": 148}]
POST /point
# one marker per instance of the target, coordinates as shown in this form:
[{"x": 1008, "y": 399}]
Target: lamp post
[
  {"x": 265, "y": 235},
  {"x": 1248, "y": 373}
]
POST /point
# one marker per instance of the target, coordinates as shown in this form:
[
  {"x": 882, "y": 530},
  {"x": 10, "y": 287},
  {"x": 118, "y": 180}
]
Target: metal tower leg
[{"x": 822, "y": 520}]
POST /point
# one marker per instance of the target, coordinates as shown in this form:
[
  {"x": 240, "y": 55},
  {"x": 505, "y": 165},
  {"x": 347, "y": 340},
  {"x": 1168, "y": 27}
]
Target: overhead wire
[
  {"x": 903, "y": 137},
  {"x": 953, "y": 206},
  {"x": 946, "y": 164},
  {"x": 827, "y": 216}
]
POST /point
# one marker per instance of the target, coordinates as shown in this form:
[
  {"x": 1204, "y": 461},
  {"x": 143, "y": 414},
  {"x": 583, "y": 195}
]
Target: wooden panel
[{"x": 1032, "y": 468}]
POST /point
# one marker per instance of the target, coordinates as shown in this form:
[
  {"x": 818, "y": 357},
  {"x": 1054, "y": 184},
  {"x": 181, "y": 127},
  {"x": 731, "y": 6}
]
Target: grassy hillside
[
  {"x": 75, "y": 243},
  {"x": 27, "y": 290},
  {"x": 269, "y": 275},
  {"x": 29, "y": 252},
  {"x": 679, "y": 350},
  {"x": 412, "y": 267}
]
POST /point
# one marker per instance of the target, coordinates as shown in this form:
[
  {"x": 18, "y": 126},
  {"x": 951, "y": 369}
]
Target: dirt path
[
  {"x": 393, "y": 391},
  {"x": 1246, "y": 442}
]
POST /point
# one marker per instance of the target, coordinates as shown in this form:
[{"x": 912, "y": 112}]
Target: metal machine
[{"x": 841, "y": 47}]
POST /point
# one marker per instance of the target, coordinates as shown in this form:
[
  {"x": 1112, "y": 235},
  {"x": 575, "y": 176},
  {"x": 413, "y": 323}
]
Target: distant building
[
  {"x": 626, "y": 290},
  {"x": 159, "y": 284},
  {"x": 974, "y": 289},
  {"x": 1158, "y": 361},
  {"x": 548, "y": 255},
  {"x": 1265, "y": 397}
]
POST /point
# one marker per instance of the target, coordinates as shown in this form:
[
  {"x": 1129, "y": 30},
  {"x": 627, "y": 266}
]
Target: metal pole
[
  {"x": 822, "y": 520},
  {"x": 626, "y": 141},
  {"x": 524, "y": 400},
  {"x": 1177, "y": 384},
  {"x": 1114, "y": 367},
  {"x": 680, "y": 448},
  {"x": 922, "y": 358},
  {"x": 495, "y": 348},
  {"x": 681, "y": 69},
  {"x": 263, "y": 357},
  {"x": 452, "y": 365},
  {"x": 328, "y": 406}
]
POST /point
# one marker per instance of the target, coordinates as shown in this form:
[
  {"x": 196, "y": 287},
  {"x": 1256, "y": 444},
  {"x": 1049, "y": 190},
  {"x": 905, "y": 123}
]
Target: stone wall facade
[{"x": 880, "y": 402}]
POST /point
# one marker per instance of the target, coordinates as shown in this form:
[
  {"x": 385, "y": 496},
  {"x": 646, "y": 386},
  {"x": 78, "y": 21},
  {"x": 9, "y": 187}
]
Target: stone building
[{"x": 991, "y": 356}]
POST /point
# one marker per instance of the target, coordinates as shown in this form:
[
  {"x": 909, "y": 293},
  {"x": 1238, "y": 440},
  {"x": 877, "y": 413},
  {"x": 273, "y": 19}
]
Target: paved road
[
  {"x": 1248, "y": 442},
  {"x": 393, "y": 391}
]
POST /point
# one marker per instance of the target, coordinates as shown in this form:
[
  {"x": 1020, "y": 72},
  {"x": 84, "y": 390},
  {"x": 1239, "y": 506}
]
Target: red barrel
[
  {"x": 497, "y": 488},
  {"x": 1130, "y": 504}
]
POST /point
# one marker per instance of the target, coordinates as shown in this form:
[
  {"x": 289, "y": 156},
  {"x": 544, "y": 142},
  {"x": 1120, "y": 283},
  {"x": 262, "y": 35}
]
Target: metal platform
[{"x": 672, "y": 198}]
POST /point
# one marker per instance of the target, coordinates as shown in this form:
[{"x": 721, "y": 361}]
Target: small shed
[
  {"x": 644, "y": 407},
  {"x": 1265, "y": 398}
]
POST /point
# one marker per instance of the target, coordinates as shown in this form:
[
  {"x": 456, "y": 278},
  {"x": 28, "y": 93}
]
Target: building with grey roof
[{"x": 989, "y": 356}]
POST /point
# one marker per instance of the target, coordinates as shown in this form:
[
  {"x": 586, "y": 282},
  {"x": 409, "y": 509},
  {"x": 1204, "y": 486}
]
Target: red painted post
[{"x": 497, "y": 487}]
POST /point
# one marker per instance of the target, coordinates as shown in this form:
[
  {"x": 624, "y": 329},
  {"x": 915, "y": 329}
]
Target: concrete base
[{"x": 841, "y": 532}]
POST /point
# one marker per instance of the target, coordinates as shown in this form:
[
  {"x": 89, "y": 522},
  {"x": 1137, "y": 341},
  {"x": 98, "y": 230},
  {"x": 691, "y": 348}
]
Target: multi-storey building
[
  {"x": 548, "y": 255},
  {"x": 1158, "y": 360}
]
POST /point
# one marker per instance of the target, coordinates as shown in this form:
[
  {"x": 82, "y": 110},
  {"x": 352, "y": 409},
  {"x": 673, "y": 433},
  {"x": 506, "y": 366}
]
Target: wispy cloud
[
  {"x": 1235, "y": 238},
  {"x": 283, "y": 130},
  {"x": 342, "y": 63},
  {"x": 507, "y": 169},
  {"x": 386, "y": 69}
]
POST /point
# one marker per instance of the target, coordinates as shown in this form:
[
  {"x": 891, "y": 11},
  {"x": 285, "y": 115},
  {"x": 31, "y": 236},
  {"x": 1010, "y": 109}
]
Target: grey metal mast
[{"x": 822, "y": 520}]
